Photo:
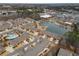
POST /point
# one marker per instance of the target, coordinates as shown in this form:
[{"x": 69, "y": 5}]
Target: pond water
[{"x": 53, "y": 28}]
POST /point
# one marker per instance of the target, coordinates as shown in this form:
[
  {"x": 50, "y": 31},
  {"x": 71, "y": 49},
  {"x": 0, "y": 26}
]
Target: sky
[{"x": 39, "y": 1}]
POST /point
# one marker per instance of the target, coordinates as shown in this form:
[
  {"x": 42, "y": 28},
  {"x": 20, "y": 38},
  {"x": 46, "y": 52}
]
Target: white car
[
  {"x": 25, "y": 42},
  {"x": 57, "y": 41},
  {"x": 51, "y": 39},
  {"x": 25, "y": 49}
]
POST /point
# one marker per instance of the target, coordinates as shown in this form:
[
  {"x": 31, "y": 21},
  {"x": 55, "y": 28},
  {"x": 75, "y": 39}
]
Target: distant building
[
  {"x": 7, "y": 12},
  {"x": 45, "y": 15}
]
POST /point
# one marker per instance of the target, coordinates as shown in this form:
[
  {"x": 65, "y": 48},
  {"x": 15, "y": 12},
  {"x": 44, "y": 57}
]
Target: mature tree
[{"x": 72, "y": 37}]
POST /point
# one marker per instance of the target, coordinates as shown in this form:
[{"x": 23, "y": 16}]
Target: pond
[{"x": 53, "y": 28}]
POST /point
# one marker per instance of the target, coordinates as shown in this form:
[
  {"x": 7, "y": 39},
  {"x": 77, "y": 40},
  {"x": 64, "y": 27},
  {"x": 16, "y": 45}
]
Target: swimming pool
[{"x": 11, "y": 36}]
